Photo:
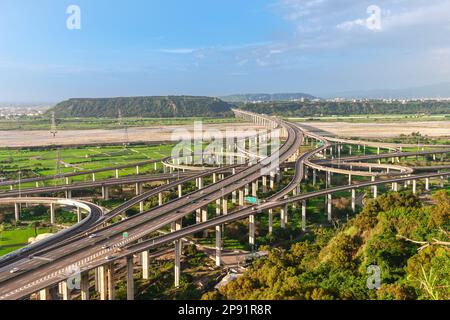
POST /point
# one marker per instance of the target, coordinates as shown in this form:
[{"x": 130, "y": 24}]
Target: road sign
[
  {"x": 125, "y": 235},
  {"x": 252, "y": 200}
]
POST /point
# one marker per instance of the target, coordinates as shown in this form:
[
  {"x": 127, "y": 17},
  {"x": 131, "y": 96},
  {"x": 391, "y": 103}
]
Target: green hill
[
  {"x": 329, "y": 108},
  {"x": 147, "y": 107}
]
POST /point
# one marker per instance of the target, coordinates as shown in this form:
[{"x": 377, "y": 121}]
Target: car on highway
[
  {"x": 93, "y": 235},
  {"x": 14, "y": 270},
  {"x": 106, "y": 246},
  {"x": 109, "y": 258}
]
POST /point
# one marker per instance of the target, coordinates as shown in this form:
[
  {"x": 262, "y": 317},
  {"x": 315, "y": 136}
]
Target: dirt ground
[
  {"x": 383, "y": 129},
  {"x": 148, "y": 134},
  {"x": 165, "y": 133}
]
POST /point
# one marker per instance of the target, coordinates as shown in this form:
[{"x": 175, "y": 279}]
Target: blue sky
[{"x": 219, "y": 47}]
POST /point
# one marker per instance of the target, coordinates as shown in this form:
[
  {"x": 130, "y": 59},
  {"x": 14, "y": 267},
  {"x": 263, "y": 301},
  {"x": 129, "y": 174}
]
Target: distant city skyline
[{"x": 217, "y": 48}]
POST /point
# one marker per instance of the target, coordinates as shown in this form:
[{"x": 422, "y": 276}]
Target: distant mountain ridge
[
  {"x": 265, "y": 97},
  {"x": 149, "y": 107},
  {"x": 440, "y": 90}
]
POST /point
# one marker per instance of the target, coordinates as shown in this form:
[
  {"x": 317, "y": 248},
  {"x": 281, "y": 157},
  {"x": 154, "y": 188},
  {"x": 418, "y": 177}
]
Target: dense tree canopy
[
  {"x": 388, "y": 233},
  {"x": 327, "y": 108},
  {"x": 149, "y": 107}
]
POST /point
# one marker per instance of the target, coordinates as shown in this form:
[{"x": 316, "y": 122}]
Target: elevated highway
[{"x": 100, "y": 250}]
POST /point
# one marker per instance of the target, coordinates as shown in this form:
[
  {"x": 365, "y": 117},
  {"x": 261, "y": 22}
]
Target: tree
[
  {"x": 440, "y": 214},
  {"x": 429, "y": 272}
]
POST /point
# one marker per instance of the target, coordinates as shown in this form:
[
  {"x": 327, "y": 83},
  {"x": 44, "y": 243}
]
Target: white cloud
[
  {"x": 349, "y": 25},
  {"x": 177, "y": 50}
]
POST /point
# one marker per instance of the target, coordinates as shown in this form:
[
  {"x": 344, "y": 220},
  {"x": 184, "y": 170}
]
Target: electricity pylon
[
  {"x": 53, "y": 129},
  {"x": 120, "y": 120}
]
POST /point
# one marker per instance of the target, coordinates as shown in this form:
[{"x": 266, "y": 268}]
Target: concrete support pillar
[
  {"x": 52, "y": 213},
  {"x": 204, "y": 214},
  {"x": 304, "y": 215},
  {"x": 198, "y": 216},
  {"x": 254, "y": 188},
  {"x": 84, "y": 285},
  {"x": 225, "y": 205},
  {"x": 329, "y": 205},
  {"x": 79, "y": 216},
  {"x": 44, "y": 294},
  {"x": 427, "y": 184},
  {"x": 96, "y": 280},
  {"x": 218, "y": 244},
  {"x": 93, "y": 177},
  {"x": 272, "y": 181},
  {"x": 117, "y": 173},
  {"x": 375, "y": 191},
  {"x": 270, "y": 220},
  {"x": 349, "y": 179},
  {"x": 241, "y": 197},
  {"x": 130, "y": 279},
  {"x": 395, "y": 186},
  {"x": 65, "y": 290},
  {"x": 283, "y": 216},
  {"x": 247, "y": 190},
  {"x": 278, "y": 175},
  {"x": 233, "y": 197},
  {"x": 160, "y": 199},
  {"x": 137, "y": 169},
  {"x": 180, "y": 191},
  {"x": 111, "y": 282},
  {"x": 218, "y": 204},
  {"x": 177, "y": 268},
  {"x": 102, "y": 282},
  {"x": 200, "y": 183},
  {"x": 17, "y": 211},
  {"x": 353, "y": 200},
  {"x": 264, "y": 184},
  {"x": 414, "y": 186},
  {"x": 314, "y": 177},
  {"x": 251, "y": 230},
  {"x": 145, "y": 261},
  {"x": 68, "y": 194},
  {"x": 138, "y": 188},
  {"x": 105, "y": 193},
  {"x": 328, "y": 179}
]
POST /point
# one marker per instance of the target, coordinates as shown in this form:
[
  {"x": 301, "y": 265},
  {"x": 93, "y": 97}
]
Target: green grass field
[
  {"x": 15, "y": 239},
  {"x": 34, "y": 162}
]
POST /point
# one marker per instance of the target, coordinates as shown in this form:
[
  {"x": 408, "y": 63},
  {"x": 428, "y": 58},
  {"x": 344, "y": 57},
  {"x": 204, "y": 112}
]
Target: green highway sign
[
  {"x": 252, "y": 200},
  {"x": 125, "y": 235}
]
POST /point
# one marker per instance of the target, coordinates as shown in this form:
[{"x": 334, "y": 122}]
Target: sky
[{"x": 219, "y": 47}]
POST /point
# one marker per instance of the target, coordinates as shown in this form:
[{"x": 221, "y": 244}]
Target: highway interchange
[{"x": 96, "y": 242}]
